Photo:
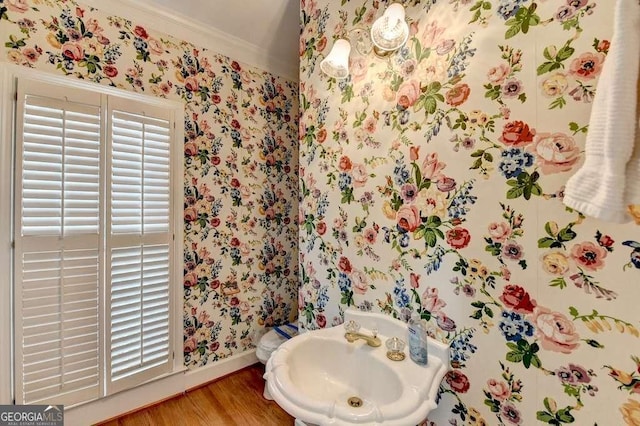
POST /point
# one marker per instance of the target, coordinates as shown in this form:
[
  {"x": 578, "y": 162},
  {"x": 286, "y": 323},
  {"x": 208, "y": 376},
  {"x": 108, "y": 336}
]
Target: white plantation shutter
[
  {"x": 57, "y": 245},
  {"x": 94, "y": 245},
  {"x": 139, "y": 245}
]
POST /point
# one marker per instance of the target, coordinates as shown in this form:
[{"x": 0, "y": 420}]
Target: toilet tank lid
[{"x": 277, "y": 336}]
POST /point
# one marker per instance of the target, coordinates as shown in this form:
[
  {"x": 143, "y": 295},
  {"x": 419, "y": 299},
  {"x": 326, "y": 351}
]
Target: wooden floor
[{"x": 233, "y": 400}]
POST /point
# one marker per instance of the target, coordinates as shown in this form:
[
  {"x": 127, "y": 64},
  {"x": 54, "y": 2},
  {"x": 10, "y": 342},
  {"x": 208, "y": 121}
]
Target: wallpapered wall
[
  {"x": 240, "y": 151},
  {"x": 433, "y": 181}
]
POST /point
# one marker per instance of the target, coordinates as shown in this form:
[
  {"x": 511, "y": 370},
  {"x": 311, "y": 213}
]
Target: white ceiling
[{"x": 270, "y": 25}]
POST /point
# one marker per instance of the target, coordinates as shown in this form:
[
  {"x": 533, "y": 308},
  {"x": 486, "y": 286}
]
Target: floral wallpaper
[
  {"x": 432, "y": 181},
  {"x": 240, "y": 153}
]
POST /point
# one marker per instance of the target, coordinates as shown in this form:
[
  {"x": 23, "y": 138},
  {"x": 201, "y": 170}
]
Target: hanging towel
[{"x": 609, "y": 181}]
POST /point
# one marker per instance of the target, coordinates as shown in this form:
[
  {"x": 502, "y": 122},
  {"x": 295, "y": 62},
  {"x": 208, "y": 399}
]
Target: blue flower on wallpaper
[
  {"x": 400, "y": 293},
  {"x": 514, "y": 327},
  {"x": 460, "y": 60},
  {"x": 509, "y": 8},
  {"x": 344, "y": 181},
  {"x": 462, "y": 201},
  {"x": 513, "y": 162},
  {"x": 461, "y": 347},
  {"x": 344, "y": 282},
  {"x": 323, "y": 298},
  {"x": 401, "y": 173}
]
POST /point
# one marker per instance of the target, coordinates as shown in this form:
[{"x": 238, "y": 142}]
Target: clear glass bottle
[{"x": 418, "y": 340}]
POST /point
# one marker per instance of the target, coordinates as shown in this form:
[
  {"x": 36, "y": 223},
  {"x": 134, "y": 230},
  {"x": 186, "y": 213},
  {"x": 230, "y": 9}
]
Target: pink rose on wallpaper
[
  {"x": 140, "y": 32},
  {"x": 321, "y": 44},
  {"x": 190, "y": 345},
  {"x": 589, "y": 255},
  {"x": 321, "y": 228},
  {"x": 408, "y": 93},
  {"x": 431, "y": 167},
  {"x": 190, "y": 279},
  {"x": 321, "y": 320},
  {"x": 587, "y": 66},
  {"x": 555, "y": 152},
  {"x": 517, "y": 299},
  {"x": 458, "y": 237},
  {"x": 110, "y": 71},
  {"x": 431, "y": 302},
  {"x": 498, "y": 74},
  {"x": 458, "y": 381},
  {"x": 458, "y": 94},
  {"x": 20, "y": 6},
  {"x": 408, "y": 218},
  {"x": 191, "y": 84},
  {"x": 344, "y": 264},
  {"x": 555, "y": 331},
  {"x": 499, "y": 389},
  {"x": 517, "y": 134},
  {"x": 190, "y": 214},
  {"x": 358, "y": 68},
  {"x": 155, "y": 46},
  {"x": 359, "y": 175},
  {"x": 359, "y": 282},
  {"x": 499, "y": 231},
  {"x": 345, "y": 163},
  {"x": 73, "y": 51}
]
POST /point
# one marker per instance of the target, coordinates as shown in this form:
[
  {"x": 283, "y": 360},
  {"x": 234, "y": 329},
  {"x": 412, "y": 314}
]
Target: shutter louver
[
  {"x": 60, "y": 167},
  {"x": 139, "y": 309},
  {"x": 60, "y": 353},
  {"x": 140, "y": 178}
]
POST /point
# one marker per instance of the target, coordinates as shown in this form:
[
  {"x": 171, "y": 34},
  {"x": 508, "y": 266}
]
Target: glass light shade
[
  {"x": 390, "y": 31},
  {"x": 336, "y": 64}
]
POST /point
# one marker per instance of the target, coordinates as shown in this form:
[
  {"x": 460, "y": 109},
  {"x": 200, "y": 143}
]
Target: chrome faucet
[{"x": 352, "y": 334}]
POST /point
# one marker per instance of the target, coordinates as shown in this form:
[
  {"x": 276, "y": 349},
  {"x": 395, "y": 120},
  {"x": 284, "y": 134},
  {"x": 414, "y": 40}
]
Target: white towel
[{"x": 609, "y": 180}]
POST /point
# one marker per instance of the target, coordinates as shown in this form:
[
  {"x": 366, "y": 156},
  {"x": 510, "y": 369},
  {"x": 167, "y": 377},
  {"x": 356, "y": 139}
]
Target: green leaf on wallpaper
[
  {"x": 516, "y": 192},
  {"x": 566, "y": 234},
  {"x": 347, "y": 93},
  {"x": 476, "y": 164},
  {"x": 546, "y": 67},
  {"x": 430, "y": 104},
  {"x": 420, "y": 52},
  {"x": 594, "y": 343},
  {"x": 565, "y": 416},
  {"x": 3, "y": 13},
  {"x": 573, "y": 312},
  {"x": 430, "y": 237},
  {"x": 478, "y": 153},
  {"x": 558, "y": 282},
  {"x": 565, "y": 53},
  {"x": 359, "y": 14},
  {"x": 488, "y": 311},
  {"x": 558, "y": 103},
  {"x": 476, "y": 315},
  {"x": 487, "y": 156},
  {"x": 347, "y": 196}
]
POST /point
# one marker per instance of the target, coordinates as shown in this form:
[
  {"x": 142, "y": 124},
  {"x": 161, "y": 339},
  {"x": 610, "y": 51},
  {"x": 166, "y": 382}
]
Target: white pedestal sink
[{"x": 320, "y": 378}]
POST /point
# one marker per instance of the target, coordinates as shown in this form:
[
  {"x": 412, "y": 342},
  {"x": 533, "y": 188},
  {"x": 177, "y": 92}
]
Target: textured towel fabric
[{"x": 609, "y": 180}]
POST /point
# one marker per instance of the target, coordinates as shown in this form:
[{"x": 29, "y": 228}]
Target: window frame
[{"x": 9, "y": 76}]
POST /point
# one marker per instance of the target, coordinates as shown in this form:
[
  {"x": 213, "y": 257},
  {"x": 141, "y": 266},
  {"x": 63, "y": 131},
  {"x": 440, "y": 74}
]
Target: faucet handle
[
  {"x": 374, "y": 331},
  {"x": 351, "y": 326}
]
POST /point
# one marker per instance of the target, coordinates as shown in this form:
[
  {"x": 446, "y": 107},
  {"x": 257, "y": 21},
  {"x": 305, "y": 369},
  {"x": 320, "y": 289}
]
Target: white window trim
[{"x": 8, "y": 77}]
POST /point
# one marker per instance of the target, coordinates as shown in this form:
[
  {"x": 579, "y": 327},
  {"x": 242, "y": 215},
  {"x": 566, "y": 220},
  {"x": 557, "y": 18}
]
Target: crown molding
[{"x": 181, "y": 27}]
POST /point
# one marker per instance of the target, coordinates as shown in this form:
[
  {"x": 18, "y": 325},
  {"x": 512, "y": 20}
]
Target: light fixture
[
  {"x": 388, "y": 34},
  {"x": 336, "y": 64}
]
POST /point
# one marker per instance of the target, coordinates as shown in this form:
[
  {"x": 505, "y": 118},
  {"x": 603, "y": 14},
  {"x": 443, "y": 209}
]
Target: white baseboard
[
  {"x": 158, "y": 390},
  {"x": 202, "y": 375}
]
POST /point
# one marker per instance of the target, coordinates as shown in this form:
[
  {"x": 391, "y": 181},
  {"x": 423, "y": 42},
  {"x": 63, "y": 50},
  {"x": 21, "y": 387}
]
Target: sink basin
[{"x": 320, "y": 378}]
